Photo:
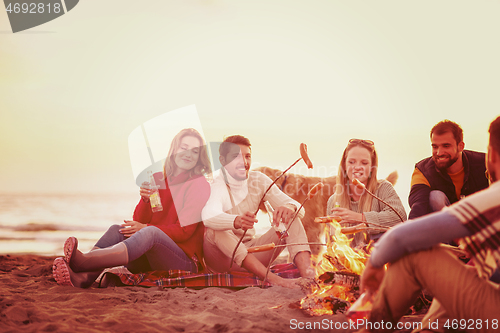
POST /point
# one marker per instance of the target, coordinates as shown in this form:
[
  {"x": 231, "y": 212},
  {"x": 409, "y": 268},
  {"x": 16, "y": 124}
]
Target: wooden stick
[
  {"x": 271, "y": 246},
  {"x": 359, "y": 184},
  {"x": 245, "y": 232},
  {"x": 303, "y": 156},
  {"x": 327, "y": 219},
  {"x": 353, "y": 230},
  {"x": 366, "y": 223},
  {"x": 312, "y": 192}
]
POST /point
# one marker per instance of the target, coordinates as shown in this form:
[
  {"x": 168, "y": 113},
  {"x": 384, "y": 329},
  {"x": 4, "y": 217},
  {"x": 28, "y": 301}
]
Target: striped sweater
[
  {"x": 480, "y": 213},
  {"x": 379, "y": 213}
]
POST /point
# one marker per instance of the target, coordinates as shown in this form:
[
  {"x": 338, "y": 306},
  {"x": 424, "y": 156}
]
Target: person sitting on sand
[
  {"x": 164, "y": 240},
  {"x": 450, "y": 174},
  {"x": 230, "y": 211},
  {"x": 352, "y": 203},
  {"x": 464, "y": 299}
]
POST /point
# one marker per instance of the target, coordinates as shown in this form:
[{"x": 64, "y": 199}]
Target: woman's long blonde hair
[
  {"x": 342, "y": 189},
  {"x": 202, "y": 167}
]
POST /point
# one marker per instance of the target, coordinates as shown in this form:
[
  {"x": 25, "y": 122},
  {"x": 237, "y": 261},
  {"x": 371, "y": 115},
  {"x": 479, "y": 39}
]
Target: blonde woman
[
  {"x": 164, "y": 240},
  {"x": 353, "y": 204}
]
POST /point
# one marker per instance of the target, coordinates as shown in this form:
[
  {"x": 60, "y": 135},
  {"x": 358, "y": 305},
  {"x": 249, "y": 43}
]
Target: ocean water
[{"x": 40, "y": 223}]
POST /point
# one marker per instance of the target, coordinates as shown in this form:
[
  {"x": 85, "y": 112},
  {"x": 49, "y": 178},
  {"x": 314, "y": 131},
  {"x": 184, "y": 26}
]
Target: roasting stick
[
  {"x": 354, "y": 229},
  {"x": 307, "y": 161},
  {"x": 314, "y": 190},
  {"x": 267, "y": 247},
  {"x": 329, "y": 219},
  {"x": 359, "y": 184},
  {"x": 367, "y": 223}
]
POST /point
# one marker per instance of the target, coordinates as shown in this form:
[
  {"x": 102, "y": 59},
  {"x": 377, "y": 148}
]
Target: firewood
[
  {"x": 318, "y": 305},
  {"x": 343, "y": 278},
  {"x": 335, "y": 262}
]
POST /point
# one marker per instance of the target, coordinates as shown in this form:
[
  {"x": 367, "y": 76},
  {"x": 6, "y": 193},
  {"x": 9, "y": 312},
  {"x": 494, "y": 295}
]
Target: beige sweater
[
  {"x": 379, "y": 213},
  {"x": 219, "y": 213}
]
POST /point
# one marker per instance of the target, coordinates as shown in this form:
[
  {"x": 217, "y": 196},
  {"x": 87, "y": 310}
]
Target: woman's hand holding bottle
[{"x": 145, "y": 191}]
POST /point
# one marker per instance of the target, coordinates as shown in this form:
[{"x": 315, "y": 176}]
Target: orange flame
[
  {"x": 339, "y": 247},
  {"x": 340, "y": 251}
]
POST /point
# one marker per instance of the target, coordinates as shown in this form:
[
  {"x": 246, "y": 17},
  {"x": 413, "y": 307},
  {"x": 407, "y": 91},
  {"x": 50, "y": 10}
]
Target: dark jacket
[{"x": 474, "y": 181}]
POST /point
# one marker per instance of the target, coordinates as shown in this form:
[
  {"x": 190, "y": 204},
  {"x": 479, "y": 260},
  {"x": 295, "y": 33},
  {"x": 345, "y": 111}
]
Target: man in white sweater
[{"x": 235, "y": 195}]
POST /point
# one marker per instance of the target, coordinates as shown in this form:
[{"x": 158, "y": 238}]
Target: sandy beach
[{"x": 31, "y": 301}]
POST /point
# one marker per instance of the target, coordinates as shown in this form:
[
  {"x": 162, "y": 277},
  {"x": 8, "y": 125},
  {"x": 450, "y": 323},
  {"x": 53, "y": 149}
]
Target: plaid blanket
[{"x": 178, "y": 278}]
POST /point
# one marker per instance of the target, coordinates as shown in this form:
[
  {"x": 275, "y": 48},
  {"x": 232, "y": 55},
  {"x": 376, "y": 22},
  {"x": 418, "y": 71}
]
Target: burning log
[
  {"x": 335, "y": 262},
  {"x": 338, "y": 275},
  {"x": 344, "y": 278},
  {"x": 317, "y": 306},
  {"x": 334, "y": 294}
]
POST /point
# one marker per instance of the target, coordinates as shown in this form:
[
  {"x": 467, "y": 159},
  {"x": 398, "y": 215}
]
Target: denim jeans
[
  {"x": 149, "y": 249},
  {"x": 438, "y": 200},
  {"x": 459, "y": 293}
]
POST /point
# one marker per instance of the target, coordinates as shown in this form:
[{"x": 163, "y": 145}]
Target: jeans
[
  {"x": 149, "y": 249},
  {"x": 459, "y": 293},
  {"x": 438, "y": 200}
]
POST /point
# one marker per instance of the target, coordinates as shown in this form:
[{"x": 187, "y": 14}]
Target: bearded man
[{"x": 451, "y": 174}]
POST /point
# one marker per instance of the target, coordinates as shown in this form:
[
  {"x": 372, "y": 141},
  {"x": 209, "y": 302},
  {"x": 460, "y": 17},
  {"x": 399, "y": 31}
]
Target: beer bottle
[{"x": 154, "y": 198}]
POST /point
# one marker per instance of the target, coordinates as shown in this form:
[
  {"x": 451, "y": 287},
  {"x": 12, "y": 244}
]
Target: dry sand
[{"x": 31, "y": 301}]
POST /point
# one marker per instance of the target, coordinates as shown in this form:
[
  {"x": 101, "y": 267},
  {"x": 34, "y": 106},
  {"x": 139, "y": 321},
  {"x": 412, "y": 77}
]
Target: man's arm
[
  {"x": 417, "y": 235},
  {"x": 213, "y": 214},
  {"x": 412, "y": 236},
  {"x": 419, "y": 195}
]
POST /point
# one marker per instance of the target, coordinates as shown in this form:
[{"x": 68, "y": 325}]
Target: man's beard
[{"x": 443, "y": 166}]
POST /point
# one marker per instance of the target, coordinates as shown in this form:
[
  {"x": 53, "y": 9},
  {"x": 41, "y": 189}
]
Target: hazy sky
[{"x": 278, "y": 72}]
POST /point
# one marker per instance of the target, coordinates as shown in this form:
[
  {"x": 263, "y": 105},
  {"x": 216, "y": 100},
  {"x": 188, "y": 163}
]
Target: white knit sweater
[{"x": 219, "y": 214}]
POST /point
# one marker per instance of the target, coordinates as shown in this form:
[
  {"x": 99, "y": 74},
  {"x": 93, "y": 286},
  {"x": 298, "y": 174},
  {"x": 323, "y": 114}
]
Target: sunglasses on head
[{"x": 366, "y": 142}]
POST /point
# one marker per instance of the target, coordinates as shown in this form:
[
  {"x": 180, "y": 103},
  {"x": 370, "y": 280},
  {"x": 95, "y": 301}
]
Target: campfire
[{"x": 338, "y": 272}]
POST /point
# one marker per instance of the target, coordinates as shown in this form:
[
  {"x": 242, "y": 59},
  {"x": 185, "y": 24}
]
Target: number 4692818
[{"x": 33, "y": 8}]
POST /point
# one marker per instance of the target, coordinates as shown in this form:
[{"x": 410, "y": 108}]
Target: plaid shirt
[{"x": 480, "y": 213}]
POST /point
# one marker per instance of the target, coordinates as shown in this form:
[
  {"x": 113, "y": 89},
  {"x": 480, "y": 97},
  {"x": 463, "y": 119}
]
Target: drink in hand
[{"x": 154, "y": 198}]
